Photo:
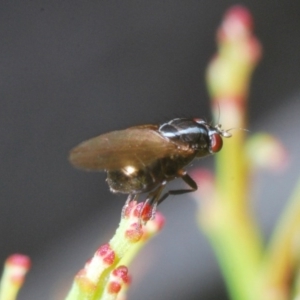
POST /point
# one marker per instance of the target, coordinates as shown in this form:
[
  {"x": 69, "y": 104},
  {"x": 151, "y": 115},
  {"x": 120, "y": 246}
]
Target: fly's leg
[
  {"x": 154, "y": 198},
  {"x": 131, "y": 197},
  {"x": 188, "y": 180},
  {"x": 152, "y": 201}
]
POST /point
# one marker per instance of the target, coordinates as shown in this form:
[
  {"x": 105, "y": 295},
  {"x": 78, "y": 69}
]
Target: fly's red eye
[{"x": 216, "y": 143}]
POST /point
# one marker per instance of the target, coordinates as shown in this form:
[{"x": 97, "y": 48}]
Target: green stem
[{"x": 232, "y": 230}]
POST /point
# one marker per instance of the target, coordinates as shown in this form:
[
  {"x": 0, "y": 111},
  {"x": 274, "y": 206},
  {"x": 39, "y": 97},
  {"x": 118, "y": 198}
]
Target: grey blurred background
[{"x": 70, "y": 70}]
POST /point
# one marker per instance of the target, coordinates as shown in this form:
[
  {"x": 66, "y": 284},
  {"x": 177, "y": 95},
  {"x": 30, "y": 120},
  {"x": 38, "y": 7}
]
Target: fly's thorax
[
  {"x": 172, "y": 165},
  {"x": 188, "y": 132}
]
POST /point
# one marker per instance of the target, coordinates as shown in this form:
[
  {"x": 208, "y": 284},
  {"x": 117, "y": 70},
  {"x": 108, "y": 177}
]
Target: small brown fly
[{"x": 142, "y": 159}]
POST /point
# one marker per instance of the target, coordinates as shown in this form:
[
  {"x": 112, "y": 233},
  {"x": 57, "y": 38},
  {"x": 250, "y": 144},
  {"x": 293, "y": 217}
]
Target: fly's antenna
[
  {"x": 222, "y": 132},
  {"x": 226, "y": 133}
]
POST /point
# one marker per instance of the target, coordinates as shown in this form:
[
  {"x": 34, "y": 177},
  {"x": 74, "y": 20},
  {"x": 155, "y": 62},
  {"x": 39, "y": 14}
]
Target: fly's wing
[{"x": 136, "y": 146}]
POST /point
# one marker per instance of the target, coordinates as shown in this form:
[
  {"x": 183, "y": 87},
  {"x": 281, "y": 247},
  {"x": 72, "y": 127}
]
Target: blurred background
[{"x": 71, "y": 70}]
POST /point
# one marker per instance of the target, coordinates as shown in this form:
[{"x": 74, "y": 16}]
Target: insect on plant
[{"x": 143, "y": 159}]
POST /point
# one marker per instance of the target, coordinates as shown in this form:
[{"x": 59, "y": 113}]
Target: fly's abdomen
[{"x": 130, "y": 181}]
